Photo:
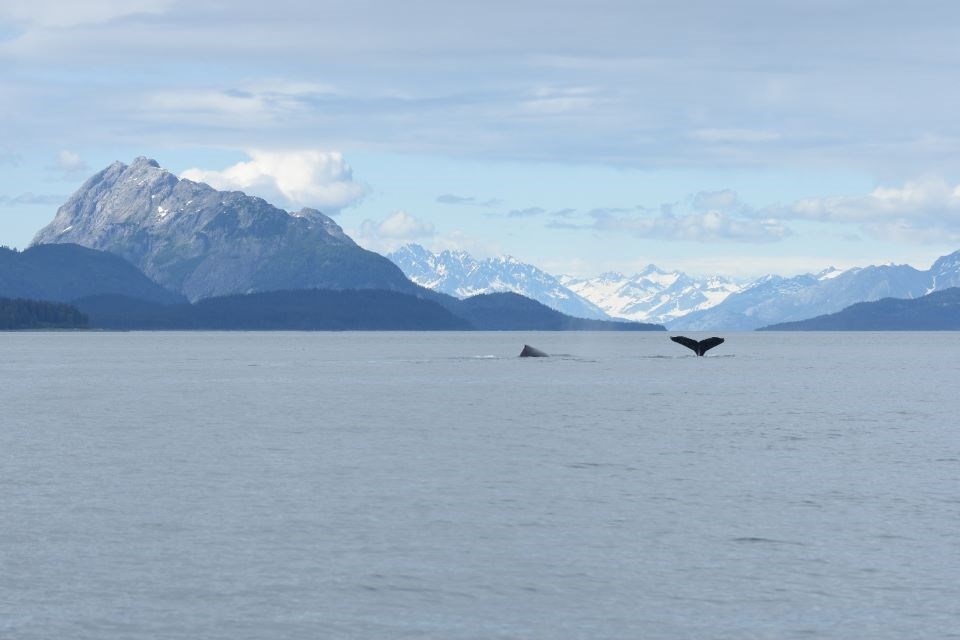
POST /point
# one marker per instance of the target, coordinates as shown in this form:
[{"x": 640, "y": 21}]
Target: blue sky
[{"x": 741, "y": 137}]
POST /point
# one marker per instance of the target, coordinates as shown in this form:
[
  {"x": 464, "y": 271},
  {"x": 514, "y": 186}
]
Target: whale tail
[{"x": 698, "y": 347}]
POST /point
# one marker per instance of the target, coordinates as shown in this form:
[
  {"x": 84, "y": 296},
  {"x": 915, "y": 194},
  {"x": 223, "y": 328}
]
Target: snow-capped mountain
[
  {"x": 676, "y": 299},
  {"x": 653, "y": 295},
  {"x": 774, "y": 299},
  {"x": 459, "y": 274}
]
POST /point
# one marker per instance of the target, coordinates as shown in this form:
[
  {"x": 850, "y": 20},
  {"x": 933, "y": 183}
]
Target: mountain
[
  {"x": 653, "y": 295},
  {"x": 774, "y": 299},
  {"x": 509, "y": 311},
  {"x": 202, "y": 242},
  {"x": 459, "y": 274},
  {"x": 65, "y": 272},
  {"x": 937, "y": 311},
  {"x": 363, "y": 309}
]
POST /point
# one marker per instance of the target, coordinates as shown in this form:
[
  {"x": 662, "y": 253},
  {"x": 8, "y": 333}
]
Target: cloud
[
  {"x": 394, "y": 231},
  {"x": 399, "y": 225},
  {"x": 319, "y": 179},
  {"x": 449, "y": 198},
  {"x": 263, "y": 103},
  {"x": 532, "y": 212},
  {"x": 706, "y": 216},
  {"x": 69, "y": 165},
  {"x": 70, "y": 161},
  {"x": 924, "y": 211},
  {"x": 919, "y": 211},
  {"x": 712, "y": 226},
  {"x": 723, "y": 200},
  {"x": 31, "y": 199},
  {"x": 616, "y": 87},
  {"x": 527, "y": 212},
  {"x": 601, "y": 211}
]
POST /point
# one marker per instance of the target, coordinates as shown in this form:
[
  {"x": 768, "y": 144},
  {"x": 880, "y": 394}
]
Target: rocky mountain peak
[
  {"x": 143, "y": 161},
  {"x": 192, "y": 238}
]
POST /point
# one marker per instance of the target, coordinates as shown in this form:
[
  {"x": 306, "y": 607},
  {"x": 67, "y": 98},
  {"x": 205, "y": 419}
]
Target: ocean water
[{"x": 433, "y": 485}]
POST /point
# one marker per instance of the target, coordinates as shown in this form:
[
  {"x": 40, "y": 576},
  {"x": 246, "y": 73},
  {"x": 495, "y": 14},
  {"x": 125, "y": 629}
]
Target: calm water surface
[{"x": 433, "y": 485}]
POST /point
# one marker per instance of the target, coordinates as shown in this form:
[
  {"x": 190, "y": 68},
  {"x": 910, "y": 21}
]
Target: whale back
[{"x": 532, "y": 352}]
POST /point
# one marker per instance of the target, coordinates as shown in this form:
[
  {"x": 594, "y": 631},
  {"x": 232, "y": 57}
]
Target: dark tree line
[{"x": 36, "y": 314}]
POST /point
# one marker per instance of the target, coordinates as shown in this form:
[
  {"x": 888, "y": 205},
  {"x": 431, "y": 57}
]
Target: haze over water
[{"x": 433, "y": 485}]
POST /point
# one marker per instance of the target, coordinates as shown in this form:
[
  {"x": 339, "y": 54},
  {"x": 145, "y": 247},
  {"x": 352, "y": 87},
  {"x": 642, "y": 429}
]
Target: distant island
[{"x": 937, "y": 311}]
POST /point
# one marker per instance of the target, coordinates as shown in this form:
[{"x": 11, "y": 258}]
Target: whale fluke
[
  {"x": 531, "y": 352},
  {"x": 700, "y": 347}
]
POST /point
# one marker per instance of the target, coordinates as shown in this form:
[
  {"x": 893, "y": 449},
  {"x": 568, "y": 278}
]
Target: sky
[{"x": 737, "y": 137}]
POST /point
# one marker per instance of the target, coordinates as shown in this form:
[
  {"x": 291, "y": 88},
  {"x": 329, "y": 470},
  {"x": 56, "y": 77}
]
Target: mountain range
[
  {"x": 653, "y": 295},
  {"x": 774, "y": 299},
  {"x": 459, "y": 274},
  {"x": 136, "y": 247},
  {"x": 145, "y": 234},
  {"x": 678, "y": 300}
]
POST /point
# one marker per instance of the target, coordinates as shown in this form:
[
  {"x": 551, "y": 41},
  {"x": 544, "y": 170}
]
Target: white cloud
[
  {"x": 399, "y": 225},
  {"x": 319, "y": 179},
  {"x": 916, "y": 199},
  {"x": 711, "y": 226},
  {"x": 70, "y": 162},
  {"x": 926, "y": 210},
  {"x": 723, "y": 200},
  {"x": 394, "y": 231}
]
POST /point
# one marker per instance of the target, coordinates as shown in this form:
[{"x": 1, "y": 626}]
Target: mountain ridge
[
  {"x": 65, "y": 272},
  {"x": 610, "y": 295},
  {"x": 344, "y": 310},
  {"x": 935, "y": 311}
]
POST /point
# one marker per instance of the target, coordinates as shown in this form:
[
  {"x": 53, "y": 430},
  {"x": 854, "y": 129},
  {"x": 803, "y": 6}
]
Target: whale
[
  {"x": 532, "y": 352},
  {"x": 699, "y": 347}
]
